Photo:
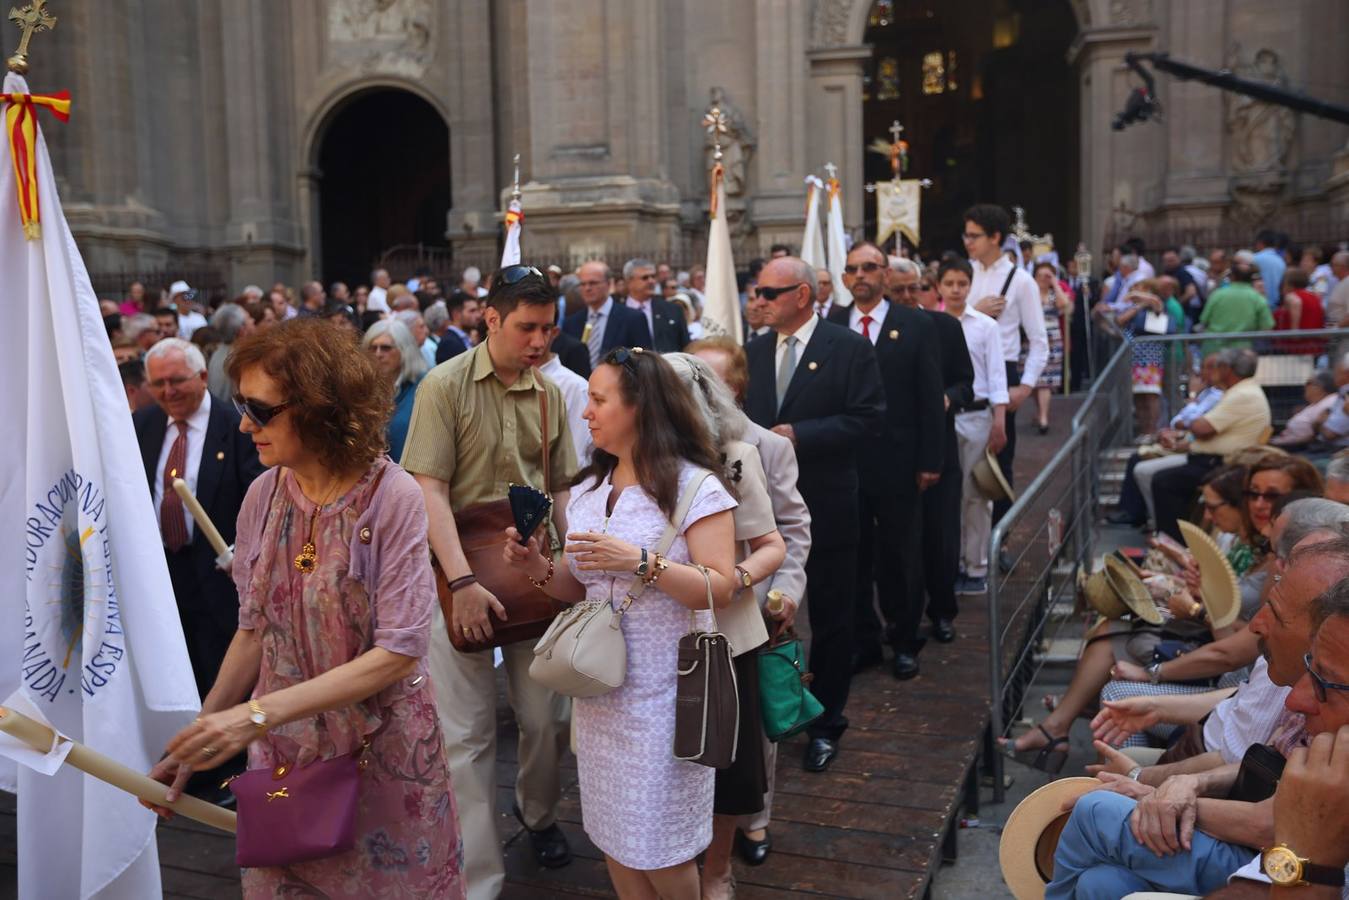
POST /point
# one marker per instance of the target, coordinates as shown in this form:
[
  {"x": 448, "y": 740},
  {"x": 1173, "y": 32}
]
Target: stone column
[
  {"x": 471, "y": 226},
  {"x": 782, "y": 158},
  {"x": 834, "y": 114}
]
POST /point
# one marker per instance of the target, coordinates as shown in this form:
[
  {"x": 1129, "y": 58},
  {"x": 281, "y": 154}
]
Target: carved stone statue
[
  {"x": 372, "y": 28},
  {"x": 737, "y": 145},
  {"x": 1261, "y": 138}
]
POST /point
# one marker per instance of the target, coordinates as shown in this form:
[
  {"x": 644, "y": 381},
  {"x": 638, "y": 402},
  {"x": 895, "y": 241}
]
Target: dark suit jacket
[
  {"x": 835, "y": 403},
  {"x": 957, "y": 375},
  {"x": 450, "y": 346},
  {"x": 573, "y": 354},
  {"x": 671, "y": 331},
  {"x": 623, "y": 327},
  {"x": 229, "y": 463},
  {"x": 909, "y": 358}
]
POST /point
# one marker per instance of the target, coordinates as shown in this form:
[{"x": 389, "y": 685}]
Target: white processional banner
[
  {"x": 897, "y": 205},
  {"x": 721, "y": 298},
  {"x": 812, "y": 238},
  {"x": 838, "y": 243},
  {"x": 91, "y": 640}
]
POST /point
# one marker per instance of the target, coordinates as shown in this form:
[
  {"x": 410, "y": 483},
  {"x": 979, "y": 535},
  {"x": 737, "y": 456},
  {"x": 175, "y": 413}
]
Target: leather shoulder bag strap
[
  {"x": 1008, "y": 283},
  {"x": 671, "y": 530},
  {"x": 547, "y": 454}
]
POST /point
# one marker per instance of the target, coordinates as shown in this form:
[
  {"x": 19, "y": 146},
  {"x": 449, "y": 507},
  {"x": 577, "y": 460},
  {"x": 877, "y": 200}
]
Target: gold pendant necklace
[{"x": 307, "y": 561}]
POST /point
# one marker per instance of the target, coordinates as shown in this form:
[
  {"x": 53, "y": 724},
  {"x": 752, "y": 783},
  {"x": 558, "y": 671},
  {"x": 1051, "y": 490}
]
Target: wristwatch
[
  {"x": 745, "y": 580},
  {"x": 257, "y": 716},
  {"x": 1154, "y": 672},
  {"x": 1286, "y": 869},
  {"x": 642, "y": 567}
]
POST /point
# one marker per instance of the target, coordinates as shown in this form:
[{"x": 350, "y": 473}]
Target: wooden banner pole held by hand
[
  {"x": 224, "y": 555},
  {"x": 40, "y": 738}
]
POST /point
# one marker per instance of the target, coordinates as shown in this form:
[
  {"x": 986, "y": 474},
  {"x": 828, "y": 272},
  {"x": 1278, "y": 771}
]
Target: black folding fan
[{"x": 529, "y": 508}]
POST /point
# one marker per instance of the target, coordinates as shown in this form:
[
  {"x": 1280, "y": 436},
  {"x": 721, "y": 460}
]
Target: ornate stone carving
[
  {"x": 829, "y": 26},
  {"x": 390, "y": 31},
  {"x": 737, "y": 144},
  {"x": 1129, "y": 12},
  {"x": 1261, "y": 139}
]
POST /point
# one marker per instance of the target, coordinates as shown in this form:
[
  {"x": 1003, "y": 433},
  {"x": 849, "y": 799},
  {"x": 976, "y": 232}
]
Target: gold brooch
[
  {"x": 304, "y": 563},
  {"x": 220, "y": 454},
  {"x": 813, "y": 365},
  {"x": 365, "y": 535},
  {"x": 894, "y": 335}
]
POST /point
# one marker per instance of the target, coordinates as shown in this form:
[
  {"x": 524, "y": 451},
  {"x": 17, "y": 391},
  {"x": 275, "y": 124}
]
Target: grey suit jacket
[{"x": 779, "y": 462}]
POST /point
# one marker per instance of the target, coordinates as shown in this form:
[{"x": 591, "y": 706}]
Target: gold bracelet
[
  {"x": 547, "y": 578},
  {"x": 658, "y": 567}
]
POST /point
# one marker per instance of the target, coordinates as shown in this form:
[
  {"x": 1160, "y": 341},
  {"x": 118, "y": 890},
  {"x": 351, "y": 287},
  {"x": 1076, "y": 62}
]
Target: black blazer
[
  {"x": 834, "y": 403},
  {"x": 671, "y": 331},
  {"x": 623, "y": 327},
  {"x": 450, "y": 346},
  {"x": 229, "y": 463},
  {"x": 572, "y": 353},
  {"x": 909, "y": 358}
]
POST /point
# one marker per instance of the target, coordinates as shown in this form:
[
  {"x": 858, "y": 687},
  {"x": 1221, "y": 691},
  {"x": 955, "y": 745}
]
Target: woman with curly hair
[{"x": 335, "y": 606}]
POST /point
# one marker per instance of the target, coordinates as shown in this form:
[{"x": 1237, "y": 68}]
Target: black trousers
[
  {"x": 207, "y": 638},
  {"x": 831, "y": 584},
  {"x": 889, "y": 569},
  {"x": 941, "y": 538},
  {"x": 1008, "y": 455},
  {"x": 1173, "y": 490},
  {"x": 1131, "y": 498}
]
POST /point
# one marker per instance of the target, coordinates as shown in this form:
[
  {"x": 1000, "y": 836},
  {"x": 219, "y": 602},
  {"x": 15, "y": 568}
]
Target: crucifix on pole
[{"x": 31, "y": 19}]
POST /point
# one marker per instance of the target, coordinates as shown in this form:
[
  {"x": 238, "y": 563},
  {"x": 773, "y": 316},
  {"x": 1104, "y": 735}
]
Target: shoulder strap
[
  {"x": 543, "y": 420},
  {"x": 1008, "y": 283},
  {"x": 672, "y": 527}
]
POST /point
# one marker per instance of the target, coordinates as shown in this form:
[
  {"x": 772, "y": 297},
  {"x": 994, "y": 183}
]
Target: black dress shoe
[
  {"x": 754, "y": 853},
  {"x": 867, "y": 659},
  {"x": 906, "y": 666},
  {"x": 550, "y": 844},
  {"x": 820, "y": 752},
  {"x": 1120, "y": 517},
  {"x": 943, "y": 632}
]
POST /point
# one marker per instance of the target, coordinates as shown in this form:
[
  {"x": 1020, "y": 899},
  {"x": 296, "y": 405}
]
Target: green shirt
[
  {"x": 1231, "y": 308},
  {"x": 479, "y": 435}
]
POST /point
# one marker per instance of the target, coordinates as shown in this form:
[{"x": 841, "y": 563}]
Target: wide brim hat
[
  {"x": 1099, "y": 595},
  {"x": 988, "y": 477},
  {"x": 1217, "y": 580},
  {"x": 1031, "y": 835},
  {"x": 1131, "y": 591}
]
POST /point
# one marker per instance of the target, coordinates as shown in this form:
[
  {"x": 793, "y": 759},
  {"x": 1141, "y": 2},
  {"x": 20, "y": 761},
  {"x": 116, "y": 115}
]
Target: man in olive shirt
[
  {"x": 1237, "y": 422},
  {"x": 475, "y": 429}
]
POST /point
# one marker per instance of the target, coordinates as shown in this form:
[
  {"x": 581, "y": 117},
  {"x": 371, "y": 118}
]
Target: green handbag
[{"x": 786, "y": 703}]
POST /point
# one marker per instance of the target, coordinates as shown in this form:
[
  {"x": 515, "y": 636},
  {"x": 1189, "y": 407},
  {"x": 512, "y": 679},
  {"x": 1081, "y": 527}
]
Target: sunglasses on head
[
  {"x": 1320, "y": 684},
  {"x": 623, "y": 356},
  {"x": 257, "y": 413},
  {"x": 516, "y": 274},
  {"x": 865, "y": 267},
  {"x": 772, "y": 293}
]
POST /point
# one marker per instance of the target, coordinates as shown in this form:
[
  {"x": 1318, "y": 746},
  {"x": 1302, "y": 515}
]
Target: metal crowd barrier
[{"x": 1052, "y": 528}]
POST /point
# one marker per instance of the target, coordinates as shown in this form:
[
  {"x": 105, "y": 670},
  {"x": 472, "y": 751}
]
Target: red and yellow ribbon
[
  {"x": 514, "y": 215},
  {"x": 834, "y": 188},
  {"x": 21, "y": 127}
]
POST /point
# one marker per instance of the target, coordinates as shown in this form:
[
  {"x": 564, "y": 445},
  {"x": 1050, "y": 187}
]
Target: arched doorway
[
  {"x": 989, "y": 105},
  {"x": 384, "y": 169}
]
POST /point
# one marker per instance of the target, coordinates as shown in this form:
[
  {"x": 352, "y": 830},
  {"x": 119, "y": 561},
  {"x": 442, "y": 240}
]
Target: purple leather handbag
[{"x": 290, "y": 815}]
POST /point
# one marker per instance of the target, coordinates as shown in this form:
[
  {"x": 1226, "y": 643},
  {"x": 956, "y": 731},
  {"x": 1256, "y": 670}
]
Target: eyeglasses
[
  {"x": 867, "y": 267},
  {"x": 175, "y": 382},
  {"x": 257, "y": 413},
  {"x": 516, "y": 274},
  {"x": 772, "y": 293},
  {"x": 1267, "y": 496},
  {"x": 382, "y": 348},
  {"x": 927, "y": 287},
  {"x": 1213, "y": 507},
  {"x": 906, "y": 288},
  {"x": 623, "y": 356},
  {"x": 973, "y": 235},
  {"x": 1320, "y": 684}
]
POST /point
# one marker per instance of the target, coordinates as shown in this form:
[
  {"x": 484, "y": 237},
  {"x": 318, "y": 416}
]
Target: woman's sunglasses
[
  {"x": 623, "y": 356},
  {"x": 516, "y": 274},
  {"x": 257, "y": 413},
  {"x": 1267, "y": 496},
  {"x": 1322, "y": 686}
]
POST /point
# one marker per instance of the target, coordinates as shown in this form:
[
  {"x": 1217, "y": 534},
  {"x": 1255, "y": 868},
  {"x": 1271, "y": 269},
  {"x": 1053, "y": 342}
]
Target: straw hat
[
  {"x": 1026, "y": 851},
  {"x": 988, "y": 477},
  {"x": 1099, "y": 595},
  {"x": 1217, "y": 581},
  {"x": 1131, "y": 590}
]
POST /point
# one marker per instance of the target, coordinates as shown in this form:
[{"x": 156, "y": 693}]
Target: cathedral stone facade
[{"x": 203, "y": 132}]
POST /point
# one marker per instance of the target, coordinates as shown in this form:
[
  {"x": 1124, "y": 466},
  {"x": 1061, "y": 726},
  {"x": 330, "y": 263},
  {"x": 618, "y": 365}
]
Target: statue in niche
[
  {"x": 737, "y": 145},
  {"x": 1261, "y": 139}
]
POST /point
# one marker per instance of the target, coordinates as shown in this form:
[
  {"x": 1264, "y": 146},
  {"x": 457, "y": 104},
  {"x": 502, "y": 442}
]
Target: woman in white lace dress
[{"x": 649, "y": 813}]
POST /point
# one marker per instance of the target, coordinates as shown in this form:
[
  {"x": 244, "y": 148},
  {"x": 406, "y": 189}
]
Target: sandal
[{"x": 1049, "y": 758}]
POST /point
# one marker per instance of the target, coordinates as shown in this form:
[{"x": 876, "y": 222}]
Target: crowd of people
[{"x": 335, "y": 434}]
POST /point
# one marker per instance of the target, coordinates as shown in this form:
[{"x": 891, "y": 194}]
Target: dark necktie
[{"x": 172, "y": 522}]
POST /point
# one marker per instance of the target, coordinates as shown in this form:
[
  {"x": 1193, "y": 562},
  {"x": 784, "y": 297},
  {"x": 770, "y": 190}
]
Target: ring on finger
[{"x": 209, "y": 752}]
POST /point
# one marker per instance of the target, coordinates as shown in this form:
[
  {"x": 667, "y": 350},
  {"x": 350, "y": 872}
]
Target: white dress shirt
[
  {"x": 644, "y": 309},
  {"x": 985, "y": 344},
  {"x": 802, "y": 335},
  {"x": 196, "y": 439},
  {"x": 602, "y": 319},
  {"x": 1247, "y": 717},
  {"x": 576, "y": 394},
  {"x": 878, "y": 315},
  {"x": 377, "y": 300},
  {"x": 1023, "y": 312}
]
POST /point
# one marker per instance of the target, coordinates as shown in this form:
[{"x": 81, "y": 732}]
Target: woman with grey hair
[
  {"x": 231, "y": 321},
  {"x": 400, "y": 361},
  {"x": 760, "y": 549}
]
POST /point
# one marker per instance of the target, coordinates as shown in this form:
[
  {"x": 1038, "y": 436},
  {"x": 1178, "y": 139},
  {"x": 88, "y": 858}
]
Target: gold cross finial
[
  {"x": 831, "y": 170},
  {"x": 896, "y": 130},
  {"x": 31, "y": 19},
  {"x": 715, "y": 123}
]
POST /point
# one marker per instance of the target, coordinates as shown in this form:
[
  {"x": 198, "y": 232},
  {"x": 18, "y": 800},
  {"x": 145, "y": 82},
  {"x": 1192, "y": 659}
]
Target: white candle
[{"x": 203, "y": 521}]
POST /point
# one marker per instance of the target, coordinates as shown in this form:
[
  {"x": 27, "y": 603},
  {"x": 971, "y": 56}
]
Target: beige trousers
[
  {"x": 976, "y": 512},
  {"x": 466, "y": 700}
]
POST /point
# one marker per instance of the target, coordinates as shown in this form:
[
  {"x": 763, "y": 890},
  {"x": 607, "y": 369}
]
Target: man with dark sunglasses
[{"x": 477, "y": 427}]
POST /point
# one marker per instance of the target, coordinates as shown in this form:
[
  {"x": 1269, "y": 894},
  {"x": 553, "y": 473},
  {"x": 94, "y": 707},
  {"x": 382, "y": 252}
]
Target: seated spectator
[
  {"x": 1239, "y": 420},
  {"x": 1185, "y": 836},
  {"x": 1135, "y": 503},
  {"x": 1320, "y": 394},
  {"x": 1337, "y": 478},
  {"x": 1333, "y": 428}
]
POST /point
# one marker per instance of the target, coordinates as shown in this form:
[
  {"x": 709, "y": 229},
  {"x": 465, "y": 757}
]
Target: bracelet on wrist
[
  {"x": 658, "y": 566},
  {"x": 463, "y": 581},
  {"x": 547, "y": 578}
]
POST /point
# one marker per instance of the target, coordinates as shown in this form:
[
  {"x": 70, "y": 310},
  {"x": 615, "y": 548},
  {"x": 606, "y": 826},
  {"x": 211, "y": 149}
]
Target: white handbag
[{"x": 582, "y": 654}]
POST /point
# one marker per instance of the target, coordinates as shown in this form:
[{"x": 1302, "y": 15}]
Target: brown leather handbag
[
  {"x": 707, "y": 699},
  {"x": 482, "y": 535}
]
